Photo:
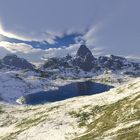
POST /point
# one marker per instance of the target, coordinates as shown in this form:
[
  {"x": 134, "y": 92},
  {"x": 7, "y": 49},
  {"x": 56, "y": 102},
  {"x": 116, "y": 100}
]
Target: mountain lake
[{"x": 66, "y": 92}]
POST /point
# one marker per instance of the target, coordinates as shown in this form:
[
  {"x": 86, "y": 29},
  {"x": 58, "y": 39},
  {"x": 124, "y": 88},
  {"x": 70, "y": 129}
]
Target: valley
[{"x": 71, "y": 110}]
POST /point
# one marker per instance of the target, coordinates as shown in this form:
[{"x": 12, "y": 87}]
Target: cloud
[
  {"x": 22, "y": 50},
  {"x": 48, "y": 36},
  {"x": 72, "y": 49},
  {"x": 90, "y": 36},
  {"x": 119, "y": 35},
  {"x": 16, "y": 47},
  {"x": 11, "y": 35},
  {"x": 38, "y": 55},
  {"x": 133, "y": 58},
  {"x": 61, "y": 52},
  {"x": 35, "y": 55}
]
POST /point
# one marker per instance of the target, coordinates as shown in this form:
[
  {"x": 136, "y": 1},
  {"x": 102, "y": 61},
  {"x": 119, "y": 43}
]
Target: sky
[{"x": 38, "y": 29}]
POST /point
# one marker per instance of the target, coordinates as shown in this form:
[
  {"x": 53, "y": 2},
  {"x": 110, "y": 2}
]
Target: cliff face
[{"x": 84, "y": 59}]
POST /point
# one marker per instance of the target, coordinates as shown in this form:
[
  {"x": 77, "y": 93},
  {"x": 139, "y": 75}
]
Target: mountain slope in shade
[{"x": 13, "y": 61}]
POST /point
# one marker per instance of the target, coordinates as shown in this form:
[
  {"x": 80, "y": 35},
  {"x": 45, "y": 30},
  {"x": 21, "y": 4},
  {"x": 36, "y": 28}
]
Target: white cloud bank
[
  {"x": 38, "y": 55},
  {"x": 22, "y": 50},
  {"x": 48, "y": 36},
  {"x": 16, "y": 47},
  {"x": 11, "y": 35}
]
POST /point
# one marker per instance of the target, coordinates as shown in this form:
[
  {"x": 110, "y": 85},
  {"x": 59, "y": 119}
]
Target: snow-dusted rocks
[
  {"x": 86, "y": 62},
  {"x": 13, "y": 61},
  {"x": 77, "y": 118},
  {"x": 14, "y": 84},
  {"x": 84, "y": 59}
]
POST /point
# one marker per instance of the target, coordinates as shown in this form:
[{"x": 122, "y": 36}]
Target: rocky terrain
[
  {"x": 12, "y": 61},
  {"x": 85, "y": 61},
  {"x": 112, "y": 115},
  {"x": 18, "y": 77}
]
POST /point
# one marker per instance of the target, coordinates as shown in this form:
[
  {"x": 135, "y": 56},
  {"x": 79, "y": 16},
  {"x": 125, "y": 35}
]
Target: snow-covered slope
[
  {"x": 15, "y": 84},
  {"x": 108, "y": 116},
  {"x": 18, "y": 77},
  {"x": 112, "y": 115}
]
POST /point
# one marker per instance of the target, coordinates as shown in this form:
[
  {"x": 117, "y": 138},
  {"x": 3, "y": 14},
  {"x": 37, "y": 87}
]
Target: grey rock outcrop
[{"x": 84, "y": 59}]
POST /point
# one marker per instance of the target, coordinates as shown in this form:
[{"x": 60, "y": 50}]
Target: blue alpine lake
[{"x": 66, "y": 92}]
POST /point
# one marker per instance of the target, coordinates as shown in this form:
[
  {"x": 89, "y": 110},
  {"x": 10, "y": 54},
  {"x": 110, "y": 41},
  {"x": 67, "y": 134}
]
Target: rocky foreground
[{"x": 112, "y": 115}]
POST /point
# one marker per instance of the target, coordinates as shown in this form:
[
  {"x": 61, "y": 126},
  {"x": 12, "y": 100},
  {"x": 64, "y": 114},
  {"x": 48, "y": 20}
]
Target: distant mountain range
[{"x": 83, "y": 61}]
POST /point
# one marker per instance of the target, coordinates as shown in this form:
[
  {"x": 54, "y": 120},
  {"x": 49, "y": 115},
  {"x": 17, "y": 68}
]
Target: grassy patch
[
  {"x": 130, "y": 133},
  {"x": 132, "y": 85},
  {"x": 26, "y": 124},
  {"x": 120, "y": 90},
  {"x": 83, "y": 116},
  {"x": 1, "y": 110},
  {"x": 123, "y": 111}
]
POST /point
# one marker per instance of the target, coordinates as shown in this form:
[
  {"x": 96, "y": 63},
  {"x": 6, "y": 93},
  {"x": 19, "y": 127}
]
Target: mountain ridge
[{"x": 84, "y": 60}]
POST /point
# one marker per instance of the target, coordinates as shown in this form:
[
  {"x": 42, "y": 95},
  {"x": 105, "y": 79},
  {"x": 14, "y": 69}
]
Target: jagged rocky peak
[
  {"x": 85, "y": 61},
  {"x": 14, "y": 61},
  {"x": 84, "y": 58},
  {"x": 84, "y": 51}
]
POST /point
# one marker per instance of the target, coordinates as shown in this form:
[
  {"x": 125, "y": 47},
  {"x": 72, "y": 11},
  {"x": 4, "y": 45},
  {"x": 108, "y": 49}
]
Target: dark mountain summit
[
  {"x": 83, "y": 51},
  {"x": 84, "y": 58},
  {"x": 13, "y": 61}
]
